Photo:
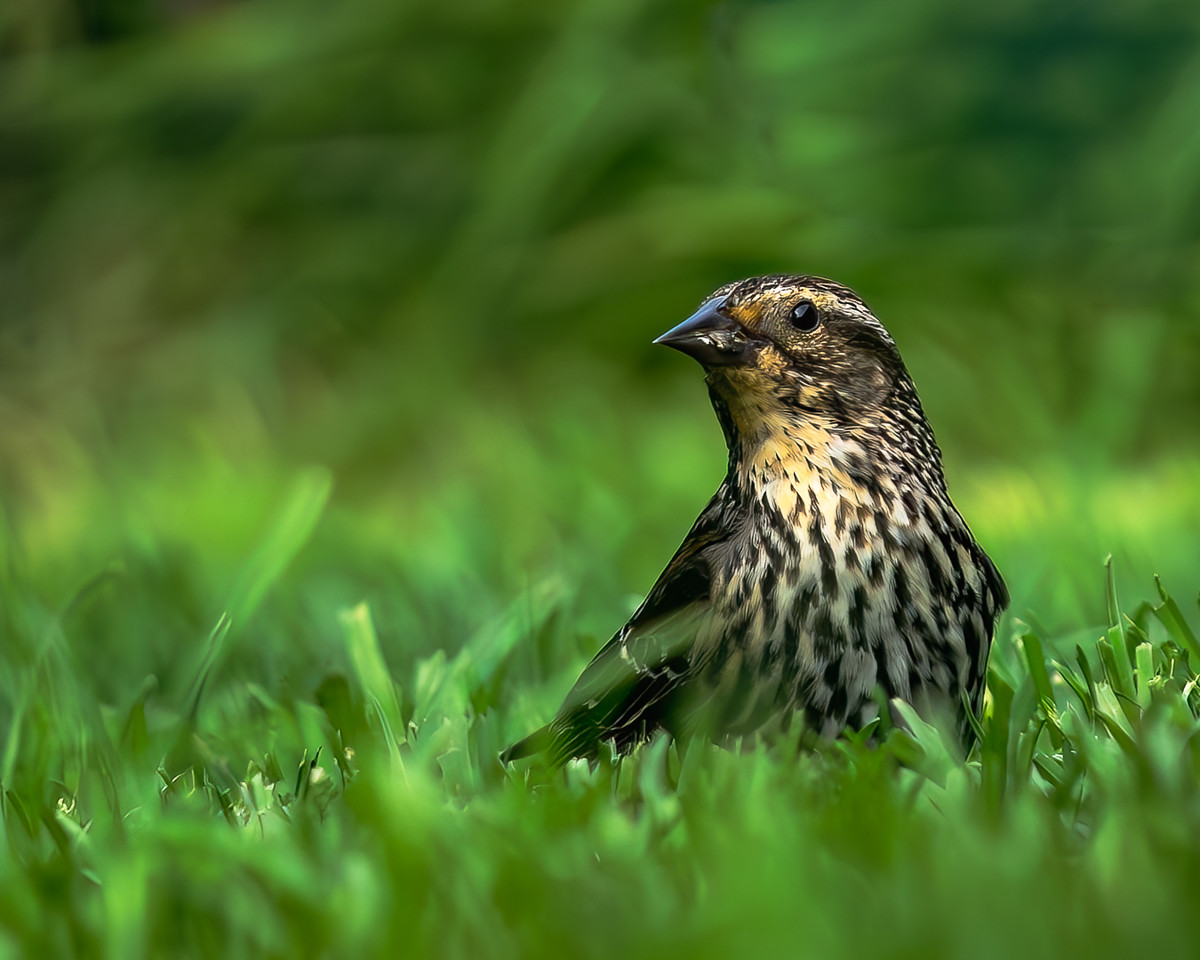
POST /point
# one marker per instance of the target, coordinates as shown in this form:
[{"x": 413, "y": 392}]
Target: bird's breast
[{"x": 839, "y": 579}]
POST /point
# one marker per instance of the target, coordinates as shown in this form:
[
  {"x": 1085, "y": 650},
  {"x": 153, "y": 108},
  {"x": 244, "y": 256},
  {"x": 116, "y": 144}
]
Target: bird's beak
[{"x": 710, "y": 336}]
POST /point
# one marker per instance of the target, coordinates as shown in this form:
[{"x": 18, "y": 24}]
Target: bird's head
[{"x": 783, "y": 348}]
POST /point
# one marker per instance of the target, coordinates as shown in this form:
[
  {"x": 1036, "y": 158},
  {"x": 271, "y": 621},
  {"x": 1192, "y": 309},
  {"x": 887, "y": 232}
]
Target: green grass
[
  {"x": 332, "y": 446},
  {"x": 247, "y": 759}
]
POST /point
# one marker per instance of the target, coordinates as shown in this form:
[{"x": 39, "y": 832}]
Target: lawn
[{"x": 333, "y": 445}]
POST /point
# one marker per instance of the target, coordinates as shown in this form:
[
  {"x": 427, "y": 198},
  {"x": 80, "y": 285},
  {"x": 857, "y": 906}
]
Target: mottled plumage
[{"x": 830, "y": 563}]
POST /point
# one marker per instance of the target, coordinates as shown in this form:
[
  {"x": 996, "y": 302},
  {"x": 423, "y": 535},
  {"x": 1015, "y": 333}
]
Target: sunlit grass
[
  {"x": 332, "y": 446},
  {"x": 299, "y": 771}
]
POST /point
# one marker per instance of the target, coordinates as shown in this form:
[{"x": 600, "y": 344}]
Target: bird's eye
[{"x": 805, "y": 317}]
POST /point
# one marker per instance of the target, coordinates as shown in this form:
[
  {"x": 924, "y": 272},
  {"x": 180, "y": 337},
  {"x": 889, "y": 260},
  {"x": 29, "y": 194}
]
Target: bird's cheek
[
  {"x": 735, "y": 382},
  {"x": 864, "y": 390}
]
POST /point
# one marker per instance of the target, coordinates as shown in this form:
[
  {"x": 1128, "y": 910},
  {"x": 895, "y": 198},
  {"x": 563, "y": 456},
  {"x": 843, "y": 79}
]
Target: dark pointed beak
[{"x": 710, "y": 336}]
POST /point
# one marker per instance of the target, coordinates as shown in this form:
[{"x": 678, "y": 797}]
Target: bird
[{"x": 830, "y": 565}]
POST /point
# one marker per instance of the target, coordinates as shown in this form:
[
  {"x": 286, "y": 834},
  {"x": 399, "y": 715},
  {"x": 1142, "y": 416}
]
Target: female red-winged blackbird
[{"x": 829, "y": 564}]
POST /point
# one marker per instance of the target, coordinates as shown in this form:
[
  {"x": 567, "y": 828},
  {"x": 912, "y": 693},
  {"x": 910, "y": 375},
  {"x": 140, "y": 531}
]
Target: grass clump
[
  {"x": 356, "y": 806},
  {"x": 426, "y": 245}
]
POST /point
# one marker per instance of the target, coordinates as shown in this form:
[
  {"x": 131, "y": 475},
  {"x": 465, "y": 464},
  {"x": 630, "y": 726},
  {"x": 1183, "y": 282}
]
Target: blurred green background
[
  {"x": 414, "y": 253},
  {"x": 426, "y": 246}
]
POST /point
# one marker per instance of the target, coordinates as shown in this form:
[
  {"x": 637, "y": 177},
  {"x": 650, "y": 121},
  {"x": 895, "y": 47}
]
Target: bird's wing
[{"x": 624, "y": 693}]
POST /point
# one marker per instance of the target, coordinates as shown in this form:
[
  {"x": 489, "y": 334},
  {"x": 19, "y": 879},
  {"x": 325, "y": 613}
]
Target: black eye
[{"x": 805, "y": 317}]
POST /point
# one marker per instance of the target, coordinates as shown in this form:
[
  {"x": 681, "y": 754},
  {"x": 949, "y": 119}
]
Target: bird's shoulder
[
  {"x": 679, "y": 598},
  {"x": 687, "y": 577},
  {"x": 626, "y": 691}
]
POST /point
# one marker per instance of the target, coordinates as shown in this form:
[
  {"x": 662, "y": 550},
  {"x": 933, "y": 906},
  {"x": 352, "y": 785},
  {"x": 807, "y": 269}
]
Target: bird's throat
[{"x": 798, "y": 465}]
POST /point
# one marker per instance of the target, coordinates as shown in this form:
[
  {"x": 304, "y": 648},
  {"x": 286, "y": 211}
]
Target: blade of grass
[
  {"x": 1169, "y": 616},
  {"x": 1035, "y": 659},
  {"x": 287, "y": 533},
  {"x": 370, "y": 668},
  {"x": 1144, "y": 655}
]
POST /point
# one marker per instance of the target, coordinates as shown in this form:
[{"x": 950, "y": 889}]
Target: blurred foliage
[
  {"x": 435, "y": 200},
  {"x": 370, "y": 816},
  {"x": 305, "y": 304},
  {"x": 374, "y": 237}
]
